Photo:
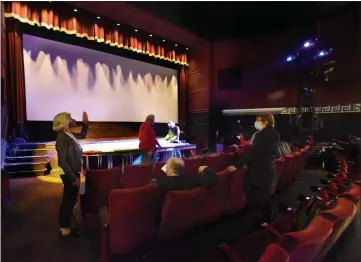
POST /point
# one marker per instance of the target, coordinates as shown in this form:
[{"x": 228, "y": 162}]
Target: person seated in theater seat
[
  {"x": 261, "y": 179},
  {"x": 175, "y": 178},
  {"x": 148, "y": 141}
]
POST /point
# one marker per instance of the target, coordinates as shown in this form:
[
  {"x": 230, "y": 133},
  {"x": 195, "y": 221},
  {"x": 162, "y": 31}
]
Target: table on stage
[{"x": 124, "y": 148}]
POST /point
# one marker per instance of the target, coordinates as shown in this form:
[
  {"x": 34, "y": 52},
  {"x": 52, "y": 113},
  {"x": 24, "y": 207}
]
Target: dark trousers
[
  {"x": 146, "y": 159},
  {"x": 258, "y": 199},
  {"x": 70, "y": 196}
]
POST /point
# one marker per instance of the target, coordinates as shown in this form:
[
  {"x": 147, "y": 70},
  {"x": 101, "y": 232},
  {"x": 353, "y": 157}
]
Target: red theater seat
[
  {"x": 342, "y": 215},
  {"x": 239, "y": 155},
  {"x": 291, "y": 168},
  {"x": 304, "y": 245},
  {"x": 158, "y": 172},
  {"x": 181, "y": 212},
  {"x": 215, "y": 198},
  {"x": 137, "y": 176},
  {"x": 275, "y": 253},
  {"x": 227, "y": 159},
  {"x": 214, "y": 162},
  {"x": 98, "y": 184},
  {"x": 236, "y": 198},
  {"x": 192, "y": 165},
  {"x": 132, "y": 215}
]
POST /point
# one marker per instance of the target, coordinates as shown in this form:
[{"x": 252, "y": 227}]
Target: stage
[{"x": 126, "y": 149}]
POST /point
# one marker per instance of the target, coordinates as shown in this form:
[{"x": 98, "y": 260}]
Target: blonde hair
[{"x": 61, "y": 121}]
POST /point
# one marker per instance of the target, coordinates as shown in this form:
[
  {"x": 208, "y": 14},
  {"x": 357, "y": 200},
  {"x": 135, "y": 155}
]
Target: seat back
[
  {"x": 137, "y": 176},
  {"x": 342, "y": 215},
  {"x": 192, "y": 164},
  {"x": 181, "y": 212},
  {"x": 274, "y": 253},
  {"x": 227, "y": 159},
  {"x": 291, "y": 168},
  {"x": 236, "y": 198},
  {"x": 213, "y": 161},
  {"x": 99, "y": 183},
  {"x": 158, "y": 172},
  {"x": 304, "y": 245},
  {"x": 215, "y": 198},
  {"x": 132, "y": 215}
]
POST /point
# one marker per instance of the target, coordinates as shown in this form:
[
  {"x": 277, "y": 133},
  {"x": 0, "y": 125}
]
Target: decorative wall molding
[{"x": 328, "y": 109}]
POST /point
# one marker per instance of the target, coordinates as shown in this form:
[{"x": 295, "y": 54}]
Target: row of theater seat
[
  {"x": 99, "y": 183},
  {"x": 312, "y": 243},
  {"x": 131, "y": 210}
]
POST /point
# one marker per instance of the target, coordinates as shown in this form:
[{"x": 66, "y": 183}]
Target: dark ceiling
[{"x": 221, "y": 20}]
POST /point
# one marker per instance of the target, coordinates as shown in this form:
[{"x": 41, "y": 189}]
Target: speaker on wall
[{"x": 230, "y": 78}]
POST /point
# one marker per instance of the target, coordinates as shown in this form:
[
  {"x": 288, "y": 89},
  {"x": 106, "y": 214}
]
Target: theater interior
[{"x": 212, "y": 68}]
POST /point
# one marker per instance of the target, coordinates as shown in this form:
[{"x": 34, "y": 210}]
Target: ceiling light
[
  {"x": 187, "y": 48},
  {"x": 136, "y": 30},
  {"x": 98, "y": 17},
  {"x": 118, "y": 24},
  {"x": 150, "y": 35},
  {"x": 75, "y": 10},
  {"x": 163, "y": 40},
  {"x": 176, "y": 45}
]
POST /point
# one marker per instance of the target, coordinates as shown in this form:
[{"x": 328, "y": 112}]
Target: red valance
[{"x": 45, "y": 14}]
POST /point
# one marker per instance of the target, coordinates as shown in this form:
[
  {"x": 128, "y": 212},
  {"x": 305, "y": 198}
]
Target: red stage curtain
[
  {"x": 183, "y": 92},
  {"x": 52, "y": 16},
  {"x": 16, "y": 80}
]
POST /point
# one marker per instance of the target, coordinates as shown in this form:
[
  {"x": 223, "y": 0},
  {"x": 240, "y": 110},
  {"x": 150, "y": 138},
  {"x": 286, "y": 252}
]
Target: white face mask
[{"x": 258, "y": 126}]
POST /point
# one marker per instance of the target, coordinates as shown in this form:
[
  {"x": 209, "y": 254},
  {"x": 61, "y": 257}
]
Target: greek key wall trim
[{"x": 329, "y": 109}]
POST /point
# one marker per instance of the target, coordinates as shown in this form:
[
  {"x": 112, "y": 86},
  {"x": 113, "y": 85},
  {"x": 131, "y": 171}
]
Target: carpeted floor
[{"x": 30, "y": 233}]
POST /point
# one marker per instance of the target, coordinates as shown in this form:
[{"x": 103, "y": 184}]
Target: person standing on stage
[
  {"x": 173, "y": 137},
  {"x": 148, "y": 141},
  {"x": 70, "y": 164},
  {"x": 173, "y": 133}
]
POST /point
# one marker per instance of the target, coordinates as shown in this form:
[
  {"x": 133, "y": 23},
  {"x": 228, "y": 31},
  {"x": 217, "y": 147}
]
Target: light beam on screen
[{"x": 61, "y": 77}]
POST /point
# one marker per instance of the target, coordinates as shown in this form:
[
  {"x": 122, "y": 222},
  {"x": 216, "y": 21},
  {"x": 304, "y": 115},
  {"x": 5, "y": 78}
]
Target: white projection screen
[{"x": 61, "y": 77}]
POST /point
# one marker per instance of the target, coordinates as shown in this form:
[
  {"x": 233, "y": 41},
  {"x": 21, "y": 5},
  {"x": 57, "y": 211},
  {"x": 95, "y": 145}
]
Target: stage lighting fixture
[
  {"x": 307, "y": 44},
  {"x": 290, "y": 58}
]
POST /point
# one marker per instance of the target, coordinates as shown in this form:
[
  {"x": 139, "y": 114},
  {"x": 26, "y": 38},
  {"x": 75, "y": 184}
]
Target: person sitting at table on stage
[
  {"x": 148, "y": 141},
  {"x": 176, "y": 179},
  {"x": 173, "y": 137},
  {"x": 70, "y": 164}
]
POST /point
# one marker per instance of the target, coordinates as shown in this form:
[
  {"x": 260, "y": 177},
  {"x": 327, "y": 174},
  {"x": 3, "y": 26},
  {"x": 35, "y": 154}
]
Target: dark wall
[
  {"x": 42, "y": 131},
  {"x": 267, "y": 81},
  {"x": 3, "y": 73}
]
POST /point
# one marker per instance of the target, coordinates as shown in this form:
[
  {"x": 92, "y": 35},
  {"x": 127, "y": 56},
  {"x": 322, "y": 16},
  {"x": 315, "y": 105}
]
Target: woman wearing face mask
[
  {"x": 261, "y": 177},
  {"x": 70, "y": 164}
]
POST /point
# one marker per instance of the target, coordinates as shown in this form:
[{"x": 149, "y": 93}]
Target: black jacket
[
  {"x": 69, "y": 153},
  {"x": 259, "y": 159}
]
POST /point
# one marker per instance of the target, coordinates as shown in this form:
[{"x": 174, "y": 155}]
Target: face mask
[{"x": 258, "y": 126}]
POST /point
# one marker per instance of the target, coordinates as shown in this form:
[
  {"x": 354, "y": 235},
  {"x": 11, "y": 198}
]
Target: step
[
  {"x": 29, "y": 145},
  {"x": 24, "y": 166},
  {"x": 28, "y": 152},
  {"x": 33, "y": 159},
  {"x": 23, "y": 174}
]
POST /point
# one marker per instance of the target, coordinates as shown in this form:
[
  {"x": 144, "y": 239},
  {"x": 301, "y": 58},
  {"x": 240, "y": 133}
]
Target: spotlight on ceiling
[
  {"x": 308, "y": 44},
  {"x": 118, "y": 24},
  {"x": 175, "y": 44},
  {"x": 150, "y": 35},
  {"x": 290, "y": 58},
  {"x": 136, "y": 30},
  {"x": 187, "y": 48},
  {"x": 98, "y": 17},
  {"x": 163, "y": 40},
  {"x": 75, "y": 10}
]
